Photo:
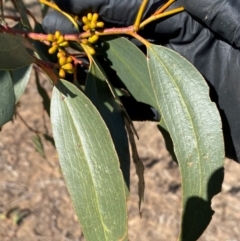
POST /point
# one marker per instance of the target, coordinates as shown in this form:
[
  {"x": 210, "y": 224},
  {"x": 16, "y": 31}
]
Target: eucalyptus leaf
[
  {"x": 98, "y": 92},
  {"x": 7, "y": 97},
  {"x": 20, "y": 78},
  {"x": 131, "y": 66},
  {"x": 177, "y": 90},
  {"x": 43, "y": 93},
  {"x": 21, "y": 8},
  {"x": 89, "y": 164},
  {"x": 193, "y": 121},
  {"x": 13, "y": 52}
]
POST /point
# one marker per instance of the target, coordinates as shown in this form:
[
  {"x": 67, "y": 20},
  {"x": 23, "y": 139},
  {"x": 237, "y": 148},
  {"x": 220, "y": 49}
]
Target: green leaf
[
  {"x": 23, "y": 13},
  {"x": 97, "y": 90},
  {"x": 177, "y": 90},
  {"x": 182, "y": 98},
  {"x": 20, "y": 78},
  {"x": 131, "y": 66},
  {"x": 13, "y": 52},
  {"x": 7, "y": 97},
  {"x": 43, "y": 93},
  {"x": 89, "y": 163}
]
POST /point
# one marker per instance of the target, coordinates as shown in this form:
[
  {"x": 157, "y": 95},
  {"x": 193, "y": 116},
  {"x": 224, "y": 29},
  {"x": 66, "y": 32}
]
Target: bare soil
[{"x": 35, "y": 204}]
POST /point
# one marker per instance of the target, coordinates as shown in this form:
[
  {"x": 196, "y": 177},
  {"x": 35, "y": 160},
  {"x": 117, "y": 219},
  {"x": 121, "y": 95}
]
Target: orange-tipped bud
[
  {"x": 53, "y": 49},
  {"x": 62, "y": 73},
  {"x": 67, "y": 66},
  {"x": 62, "y": 60}
]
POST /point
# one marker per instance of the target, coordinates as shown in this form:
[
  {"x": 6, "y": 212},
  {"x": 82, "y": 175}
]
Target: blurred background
[{"x": 34, "y": 201}]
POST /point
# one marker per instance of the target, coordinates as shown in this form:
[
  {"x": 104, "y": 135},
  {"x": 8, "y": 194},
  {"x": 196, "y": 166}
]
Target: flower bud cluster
[
  {"x": 58, "y": 43},
  {"x": 65, "y": 64},
  {"x": 90, "y": 24}
]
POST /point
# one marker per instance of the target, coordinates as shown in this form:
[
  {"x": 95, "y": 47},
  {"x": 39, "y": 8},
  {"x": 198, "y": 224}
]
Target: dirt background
[{"x": 35, "y": 204}]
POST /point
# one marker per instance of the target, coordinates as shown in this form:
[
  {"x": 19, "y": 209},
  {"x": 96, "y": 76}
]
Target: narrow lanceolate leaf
[
  {"x": 13, "y": 52},
  {"x": 20, "y": 78},
  {"x": 180, "y": 94},
  {"x": 193, "y": 121},
  {"x": 98, "y": 92},
  {"x": 131, "y": 66},
  {"x": 7, "y": 97},
  {"x": 89, "y": 163},
  {"x": 43, "y": 93},
  {"x": 23, "y": 13}
]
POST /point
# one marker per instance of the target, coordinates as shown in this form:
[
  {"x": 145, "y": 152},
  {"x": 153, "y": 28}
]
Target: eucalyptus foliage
[{"x": 92, "y": 130}]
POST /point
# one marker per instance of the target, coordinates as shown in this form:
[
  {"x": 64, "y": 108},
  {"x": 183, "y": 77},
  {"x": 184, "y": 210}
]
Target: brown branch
[{"x": 15, "y": 18}]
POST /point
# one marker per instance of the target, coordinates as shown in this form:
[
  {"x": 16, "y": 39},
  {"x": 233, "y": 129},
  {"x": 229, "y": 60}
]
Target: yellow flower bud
[
  {"x": 55, "y": 44},
  {"x": 70, "y": 71},
  {"x": 60, "y": 54},
  {"x": 95, "y": 17},
  {"x": 89, "y": 16},
  {"x": 64, "y": 44},
  {"x": 57, "y": 34},
  {"x": 84, "y": 41},
  {"x": 50, "y": 37},
  {"x": 67, "y": 66},
  {"x": 53, "y": 49},
  {"x": 100, "y": 24},
  {"x": 86, "y": 27},
  {"x": 85, "y": 20},
  {"x": 91, "y": 50},
  {"x": 69, "y": 59},
  {"x": 93, "y": 25},
  {"x": 62, "y": 73},
  {"x": 62, "y": 60},
  {"x": 60, "y": 39},
  {"x": 93, "y": 39}
]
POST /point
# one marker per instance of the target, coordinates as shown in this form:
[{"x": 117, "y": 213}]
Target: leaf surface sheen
[
  {"x": 182, "y": 97},
  {"x": 89, "y": 163},
  {"x": 99, "y": 91},
  {"x": 176, "y": 89}
]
